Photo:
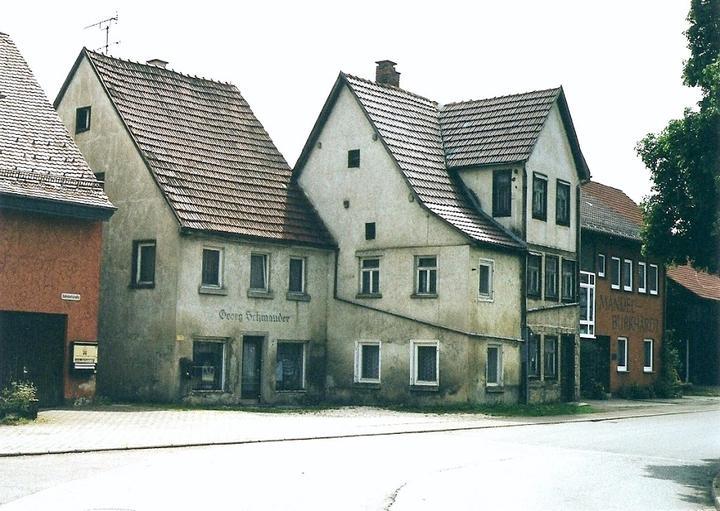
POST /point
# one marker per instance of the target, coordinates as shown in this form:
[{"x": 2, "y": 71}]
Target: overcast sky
[{"x": 620, "y": 62}]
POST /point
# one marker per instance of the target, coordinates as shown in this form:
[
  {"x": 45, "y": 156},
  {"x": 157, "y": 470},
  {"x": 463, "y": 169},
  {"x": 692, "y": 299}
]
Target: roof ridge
[
  {"x": 504, "y": 96},
  {"x": 592, "y": 181},
  {"x": 387, "y": 86},
  {"x": 96, "y": 54}
]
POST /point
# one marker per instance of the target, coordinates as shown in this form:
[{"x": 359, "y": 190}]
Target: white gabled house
[{"x": 457, "y": 232}]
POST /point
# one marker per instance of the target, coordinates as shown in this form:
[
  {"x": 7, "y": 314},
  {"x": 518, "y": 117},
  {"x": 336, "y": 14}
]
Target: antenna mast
[{"x": 105, "y": 25}]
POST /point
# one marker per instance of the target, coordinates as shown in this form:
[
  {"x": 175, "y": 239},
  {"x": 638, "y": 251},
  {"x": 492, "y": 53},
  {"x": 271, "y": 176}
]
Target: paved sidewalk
[{"x": 127, "y": 427}]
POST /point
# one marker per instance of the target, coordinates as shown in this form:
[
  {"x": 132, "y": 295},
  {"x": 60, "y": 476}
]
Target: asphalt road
[{"x": 653, "y": 463}]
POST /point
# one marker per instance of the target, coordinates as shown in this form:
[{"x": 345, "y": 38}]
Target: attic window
[
  {"x": 82, "y": 119},
  {"x": 370, "y": 231},
  {"x": 353, "y": 158}
]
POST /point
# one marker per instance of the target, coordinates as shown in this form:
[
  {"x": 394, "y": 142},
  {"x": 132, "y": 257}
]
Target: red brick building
[
  {"x": 51, "y": 213},
  {"x": 621, "y": 295}
]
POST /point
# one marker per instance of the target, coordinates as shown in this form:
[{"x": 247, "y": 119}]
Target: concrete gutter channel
[{"x": 434, "y": 424}]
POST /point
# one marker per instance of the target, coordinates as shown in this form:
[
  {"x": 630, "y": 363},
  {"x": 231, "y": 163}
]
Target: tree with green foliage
[{"x": 682, "y": 213}]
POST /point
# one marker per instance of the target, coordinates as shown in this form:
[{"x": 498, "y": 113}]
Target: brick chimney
[
  {"x": 158, "y": 63},
  {"x": 385, "y": 73}
]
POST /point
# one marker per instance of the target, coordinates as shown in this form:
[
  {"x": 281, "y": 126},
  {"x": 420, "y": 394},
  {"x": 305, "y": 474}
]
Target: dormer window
[
  {"x": 82, "y": 119},
  {"x": 354, "y": 158}
]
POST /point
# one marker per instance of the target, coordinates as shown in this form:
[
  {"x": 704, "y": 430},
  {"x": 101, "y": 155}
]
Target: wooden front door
[{"x": 251, "y": 367}]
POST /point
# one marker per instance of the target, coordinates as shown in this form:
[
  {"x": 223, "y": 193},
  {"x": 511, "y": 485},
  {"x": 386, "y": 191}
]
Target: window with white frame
[
  {"x": 551, "y": 277},
  {"x": 587, "y": 304},
  {"x": 502, "y": 192},
  {"x": 290, "y": 366},
  {"x": 208, "y": 366},
  {"x": 212, "y": 267},
  {"x": 562, "y": 203},
  {"x": 426, "y": 275},
  {"x": 539, "y": 196},
  {"x": 642, "y": 277},
  {"x": 627, "y": 275},
  {"x": 550, "y": 350},
  {"x": 367, "y": 362},
  {"x": 493, "y": 371},
  {"x": 653, "y": 279},
  {"x": 615, "y": 272},
  {"x": 622, "y": 354},
  {"x": 534, "y": 273},
  {"x": 259, "y": 272},
  {"x": 425, "y": 365},
  {"x": 143, "y": 264},
  {"x": 296, "y": 275},
  {"x": 648, "y": 356},
  {"x": 486, "y": 269},
  {"x": 601, "y": 265},
  {"x": 533, "y": 355},
  {"x": 370, "y": 276}
]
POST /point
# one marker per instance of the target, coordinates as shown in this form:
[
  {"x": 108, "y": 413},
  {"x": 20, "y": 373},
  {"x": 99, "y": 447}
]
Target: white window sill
[
  {"x": 260, "y": 293},
  {"x": 297, "y": 297},
  {"x": 494, "y": 388},
  {"x": 647, "y": 370},
  {"x": 488, "y": 299},
  {"x": 208, "y": 290},
  {"x": 587, "y": 336},
  {"x": 425, "y": 387},
  {"x": 424, "y": 295}
]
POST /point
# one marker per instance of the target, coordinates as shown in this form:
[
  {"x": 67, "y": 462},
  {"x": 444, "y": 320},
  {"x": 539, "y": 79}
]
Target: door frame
[{"x": 262, "y": 339}]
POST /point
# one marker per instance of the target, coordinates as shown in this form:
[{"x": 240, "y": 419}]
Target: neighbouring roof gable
[
  {"x": 704, "y": 285},
  {"x": 39, "y": 161},
  {"x": 610, "y": 211},
  {"x": 212, "y": 159}
]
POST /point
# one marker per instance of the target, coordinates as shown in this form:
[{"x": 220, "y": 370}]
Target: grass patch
[
  {"x": 700, "y": 390},
  {"x": 12, "y": 420},
  {"x": 503, "y": 410}
]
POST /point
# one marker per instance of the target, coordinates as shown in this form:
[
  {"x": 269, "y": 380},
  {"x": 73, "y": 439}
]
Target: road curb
[
  {"x": 715, "y": 490},
  {"x": 347, "y": 435}
]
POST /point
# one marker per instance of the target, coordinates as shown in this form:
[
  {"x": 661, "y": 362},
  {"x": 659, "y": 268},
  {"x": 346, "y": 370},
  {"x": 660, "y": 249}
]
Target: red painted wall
[
  {"x": 620, "y": 313},
  {"x": 44, "y": 256}
]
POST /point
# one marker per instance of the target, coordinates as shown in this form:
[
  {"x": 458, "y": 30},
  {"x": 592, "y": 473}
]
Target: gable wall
[{"x": 132, "y": 321}]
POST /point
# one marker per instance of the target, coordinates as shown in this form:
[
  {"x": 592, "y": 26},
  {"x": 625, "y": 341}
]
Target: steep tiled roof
[
  {"x": 608, "y": 210},
  {"x": 410, "y": 127},
  {"x": 495, "y": 130},
  {"x": 705, "y": 285},
  {"x": 38, "y": 158},
  {"x": 211, "y": 157}
]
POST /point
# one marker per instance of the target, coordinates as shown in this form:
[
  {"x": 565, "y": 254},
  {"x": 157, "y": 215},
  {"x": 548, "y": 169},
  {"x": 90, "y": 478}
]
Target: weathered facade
[
  {"x": 622, "y": 295},
  {"x": 408, "y": 189},
  {"x": 693, "y": 314},
  {"x": 215, "y": 266},
  {"x": 51, "y": 214}
]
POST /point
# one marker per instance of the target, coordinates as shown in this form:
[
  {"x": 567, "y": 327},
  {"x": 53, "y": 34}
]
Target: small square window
[
  {"x": 296, "y": 282},
  {"x": 642, "y": 277},
  {"x": 615, "y": 272},
  {"x": 550, "y": 357},
  {"x": 627, "y": 275},
  {"x": 562, "y": 203},
  {"x": 367, "y": 362},
  {"x": 493, "y": 371},
  {"x": 425, "y": 363},
  {"x": 290, "y": 367},
  {"x": 648, "y": 356},
  {"x": 534, "y": 274},
  {"x": 259, "y": 272},
  {"x": 208, "y": 370},
  {"x": 212, "y": 267},
  {"x": 551, "y": 277},
  {"x": 143, "y": 264},
  {"x": 370, "y": 276},
  {"x": 370, "y": 231},
  {"x": 82, "y": 119},
  {"x": 539, "y": 197},
  {"x": 426, "y": 275},
  {"x": 601, "y": 265},
  {"x": 622, "y": 354},
  {"x": 502, "y": 193},
  {"x": 353, "y": 158},
  {"x": 653, "y": 279},
  {"x": 485, "y": 279}
]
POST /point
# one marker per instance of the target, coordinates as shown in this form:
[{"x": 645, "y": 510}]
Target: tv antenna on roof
[{"x": 105, "y": 25}]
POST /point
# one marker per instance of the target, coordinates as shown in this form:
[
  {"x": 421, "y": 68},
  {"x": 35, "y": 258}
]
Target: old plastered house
[
  {"x": 457, "y": 229},
  {"x": 215, "y": 265},
  {"x": 51, "y": 214}
]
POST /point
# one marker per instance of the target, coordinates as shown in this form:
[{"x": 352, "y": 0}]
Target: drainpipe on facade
[{"x": 524, "y": 330}]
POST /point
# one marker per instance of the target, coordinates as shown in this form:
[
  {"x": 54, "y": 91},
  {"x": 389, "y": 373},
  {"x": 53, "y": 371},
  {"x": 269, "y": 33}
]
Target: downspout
[
  {"x": 524, "y": 333},
  {"x": 578, "y": 256}
]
